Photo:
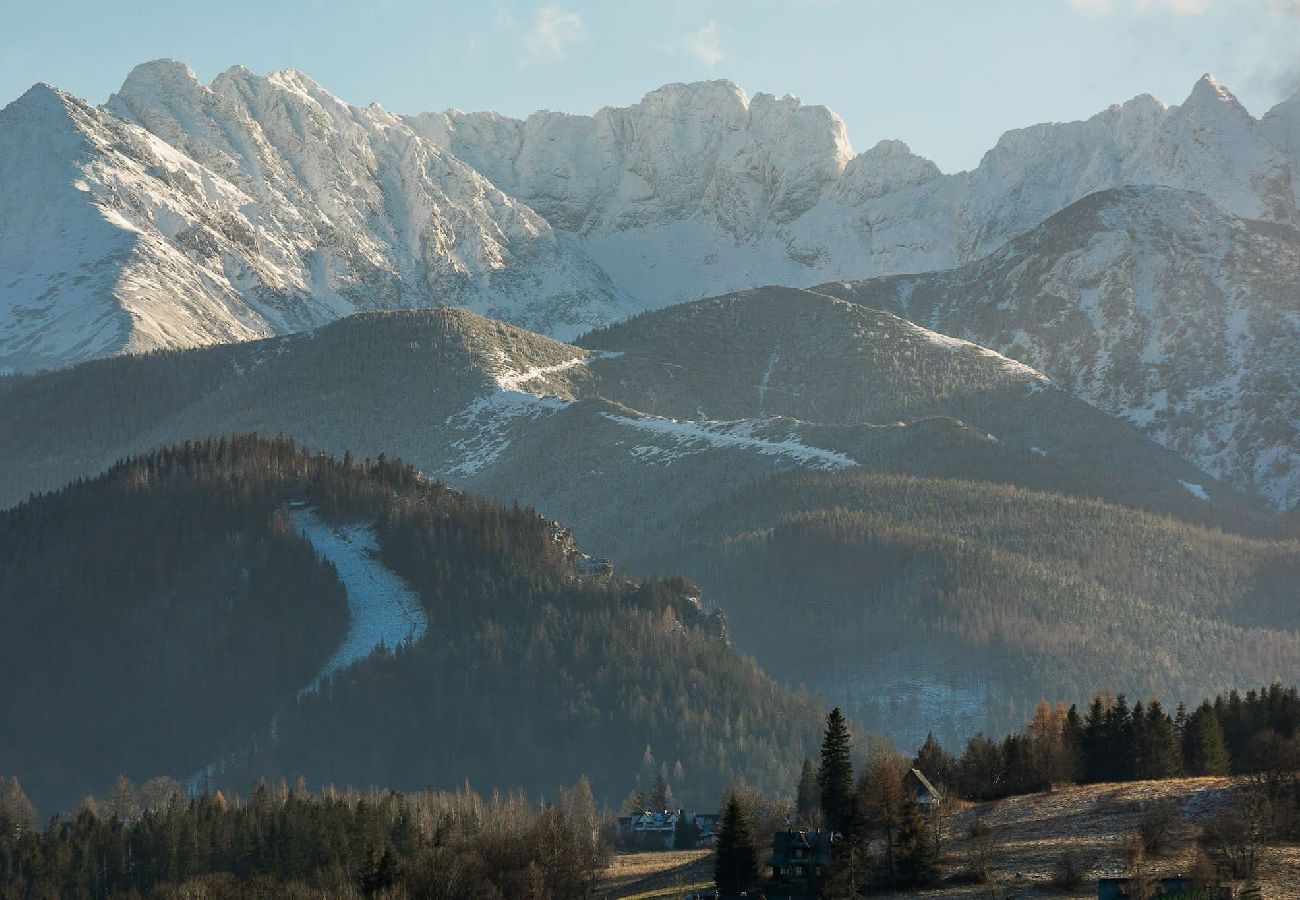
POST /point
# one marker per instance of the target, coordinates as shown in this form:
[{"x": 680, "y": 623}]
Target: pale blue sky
[{"x": 947, "y": 76}]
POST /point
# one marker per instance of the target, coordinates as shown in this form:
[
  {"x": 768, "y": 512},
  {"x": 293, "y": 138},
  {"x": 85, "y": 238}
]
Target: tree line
[
  {"x": 884, "y": 839},
  {"x": 289, "y": 842}
]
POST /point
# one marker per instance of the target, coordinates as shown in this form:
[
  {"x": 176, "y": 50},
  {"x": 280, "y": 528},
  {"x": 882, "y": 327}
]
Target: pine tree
[
  {"x": 736, "y": 868},
  {"x": 1073, "y": 738},
  {"x": 1123, "y": 738},
  {"x": 1097, "y": 764},
  {"x": 661, "y": 794},
  {"x": 808, "y": 798},
  {"x": 937, "y": 764},
  {"x": 835, "y": 777},
  {"x": 1160, "y": 755},
  {"x": 17, "y": 815},
  {"x": 918, "y": 860},
  {"x": 1204, "y": 750}
]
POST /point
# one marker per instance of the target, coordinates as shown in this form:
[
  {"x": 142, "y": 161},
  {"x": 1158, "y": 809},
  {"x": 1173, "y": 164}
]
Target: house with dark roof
[
  {"x": 657, "y": 830},
  {"x": 801, "y": 864},
  {"x": 926, "y": 794}
]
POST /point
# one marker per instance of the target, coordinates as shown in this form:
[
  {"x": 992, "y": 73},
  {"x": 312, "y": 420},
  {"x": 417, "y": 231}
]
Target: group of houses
[{"x": 657, "y": 830}]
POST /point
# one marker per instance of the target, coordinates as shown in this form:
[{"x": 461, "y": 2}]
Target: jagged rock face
[
  {"x": 1153, "y": 304},
  {"x": 183, "y": 214},
  {"x": 1209, "y": 144},
  {"x": 736, "y": 192},
  {"x": 1281, "y": 125}
]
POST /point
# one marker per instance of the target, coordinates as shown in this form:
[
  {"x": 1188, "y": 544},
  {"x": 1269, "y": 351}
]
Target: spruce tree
[
  {"x": 835, "y": 777},
  {"x": 1095, "y": 744},
  {"x": 1204, "y": 750},
  {"x": 1160, "y": 755},
  {"x": 808, "y": 796},
  {"x": 1073, "y": 739},
  {"x": 918, "y": 859},
  {"x": 935, "y": 762},
  {"x": 736, "y": 867}
]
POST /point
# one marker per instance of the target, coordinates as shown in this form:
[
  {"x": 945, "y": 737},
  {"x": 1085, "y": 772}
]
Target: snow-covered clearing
[
  {"x": 1195, "y": 490},
  {"x": 738, "y": 435},
  {"x": 384, "y": 610},
  {"x": 488, "y": 422}
]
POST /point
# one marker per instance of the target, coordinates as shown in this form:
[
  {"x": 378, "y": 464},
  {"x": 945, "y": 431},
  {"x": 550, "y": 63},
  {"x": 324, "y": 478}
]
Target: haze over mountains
[
  {"x": 182, "y": 214},
  {"x": 866, "y": 482},
  {"x": 938, "y": 444},
  {"x": 263, "y": 205}
]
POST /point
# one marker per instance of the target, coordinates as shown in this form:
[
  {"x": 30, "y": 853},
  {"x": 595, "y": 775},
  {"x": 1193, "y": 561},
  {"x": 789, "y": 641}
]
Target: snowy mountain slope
[
  {"x": 1152, "y": 304},
  {"x": 253, "y": 207},
  {"x": 94, "y": 216},
  {"x": 680, "y": 440},
  {"x": 1281, "y": 126},
  {"x": 262, "y": 205},
  {"x": 759, "y": 382},
  {"x": 734, "y": 191}
]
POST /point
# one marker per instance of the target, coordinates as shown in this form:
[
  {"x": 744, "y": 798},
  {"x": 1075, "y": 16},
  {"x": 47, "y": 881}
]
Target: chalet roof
[
  {"x": 816, "y": 843},
  {"x": 925, "y": 784}
]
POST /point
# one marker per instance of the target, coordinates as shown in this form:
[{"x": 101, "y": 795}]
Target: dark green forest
[
  {"x": 883, "y": 578},
  {"x": 167, "y": 614}
]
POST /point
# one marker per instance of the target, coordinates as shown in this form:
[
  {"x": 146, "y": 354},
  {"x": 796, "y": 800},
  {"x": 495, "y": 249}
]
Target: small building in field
[
  {"x": 801, "y": 864},
  {"x": 926, "y": 794}
]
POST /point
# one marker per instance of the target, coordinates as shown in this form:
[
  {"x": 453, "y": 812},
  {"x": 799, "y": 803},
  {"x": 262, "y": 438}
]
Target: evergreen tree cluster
[
  {"x": 1113, "y": 741},
  {"x": 283, "y": 842}
]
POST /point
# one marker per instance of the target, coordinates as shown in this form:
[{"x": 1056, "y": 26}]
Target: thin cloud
[
  {"x": 1178, "y": 7},
  {"x": 553, "y": 32},
  {"x": 704, "y": 45}
]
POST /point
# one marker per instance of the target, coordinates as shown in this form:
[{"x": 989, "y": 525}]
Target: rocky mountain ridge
[
  {"x": 1152, "y": 304},
  {"x": 180, "y": 213}
]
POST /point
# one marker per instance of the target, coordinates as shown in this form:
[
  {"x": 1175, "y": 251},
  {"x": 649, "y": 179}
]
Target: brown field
[
  {"x": 633, "y": 874},
  {"x": 1031, "y": 832},
  {"x": 1035, "y": 829}
]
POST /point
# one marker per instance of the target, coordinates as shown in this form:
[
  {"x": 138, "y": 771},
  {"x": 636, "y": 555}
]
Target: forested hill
[{"x": 166, "y": 616}]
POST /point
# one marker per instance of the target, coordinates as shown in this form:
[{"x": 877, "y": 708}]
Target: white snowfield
[
  {"x": 693, "y": 437},
  {"x": 384, "y": 611}
]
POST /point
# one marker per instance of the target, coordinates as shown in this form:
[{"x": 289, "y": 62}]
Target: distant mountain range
[
  {"x": 181, "y": 214},
  {"x": 939, "y": 445},
  {"x": 866, "y": 482}
]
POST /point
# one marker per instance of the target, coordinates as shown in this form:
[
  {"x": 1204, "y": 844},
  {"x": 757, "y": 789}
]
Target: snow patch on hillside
[
  {"x": 694, "y": 437},
  {"x": 384, "y": 610},
  {"x": 489, "y": 422}
]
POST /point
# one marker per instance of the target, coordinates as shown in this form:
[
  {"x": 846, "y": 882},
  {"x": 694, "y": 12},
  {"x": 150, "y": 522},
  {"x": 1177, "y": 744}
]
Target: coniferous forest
[{"x": 176, "y": 615}]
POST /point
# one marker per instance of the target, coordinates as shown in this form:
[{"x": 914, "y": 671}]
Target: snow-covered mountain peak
[
  {"x": 720, "y": 97},
  {"x": 886, "y": 168},
  {"x": 1212, "y": 90},
  {"x": 40, "y": 102},
  {"x": 1212, "y": 104}
]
